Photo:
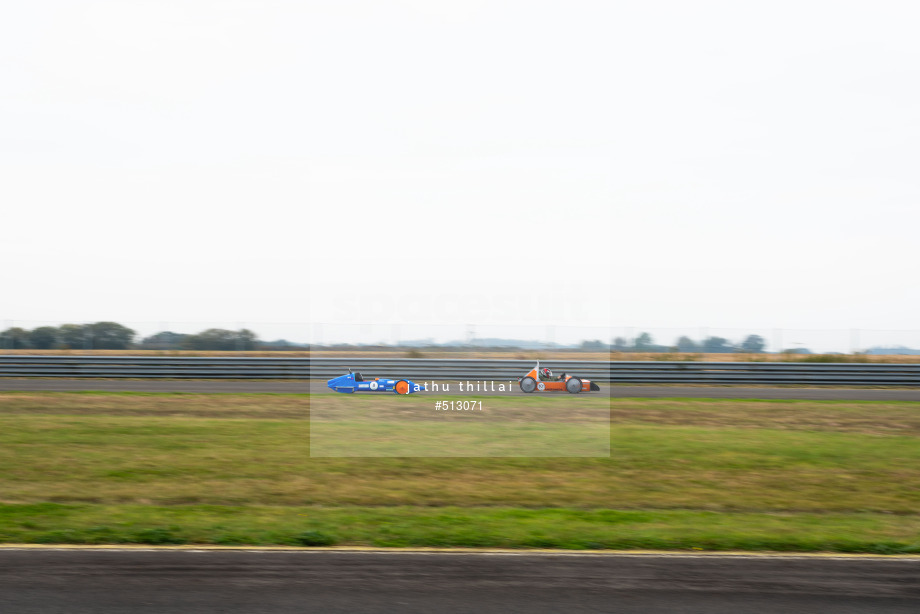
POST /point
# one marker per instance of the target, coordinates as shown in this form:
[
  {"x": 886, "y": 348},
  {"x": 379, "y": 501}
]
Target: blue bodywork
[{"x": 354, "y": 382}]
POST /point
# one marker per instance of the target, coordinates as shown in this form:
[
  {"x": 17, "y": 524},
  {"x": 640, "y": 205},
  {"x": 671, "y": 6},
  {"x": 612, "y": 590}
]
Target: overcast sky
[{"x": 503, "y": 164}]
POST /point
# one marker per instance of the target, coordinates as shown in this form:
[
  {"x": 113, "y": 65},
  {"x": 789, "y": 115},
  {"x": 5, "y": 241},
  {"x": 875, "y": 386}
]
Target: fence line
[{"x": 632, "y": 372}]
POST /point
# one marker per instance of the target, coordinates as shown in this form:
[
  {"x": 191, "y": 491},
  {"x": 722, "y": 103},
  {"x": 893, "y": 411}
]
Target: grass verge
[
  {"x": 458, "y": 527},
  {"x": 683, "y": 473}
]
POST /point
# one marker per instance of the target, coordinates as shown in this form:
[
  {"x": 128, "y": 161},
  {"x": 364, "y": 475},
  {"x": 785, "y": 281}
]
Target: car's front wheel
[
  {"x": 528, "y": 384},
  {"x": 573, "y": 385},
  {"x": 401, "y": 387}
]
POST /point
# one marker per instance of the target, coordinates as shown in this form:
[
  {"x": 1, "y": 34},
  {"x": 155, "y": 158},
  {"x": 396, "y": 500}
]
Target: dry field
[{"x": 102, "y": 468}]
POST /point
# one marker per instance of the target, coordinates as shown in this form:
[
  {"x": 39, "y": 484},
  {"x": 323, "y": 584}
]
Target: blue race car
[{"x": 354, "y": 382}]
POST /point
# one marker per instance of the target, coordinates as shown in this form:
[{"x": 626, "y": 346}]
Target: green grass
[
  {"x": 457, "y": 527},
  {"x": 359, "y": 439},
  {"x": 234, "y": 461},
  {"x": 682, "y": 473}
]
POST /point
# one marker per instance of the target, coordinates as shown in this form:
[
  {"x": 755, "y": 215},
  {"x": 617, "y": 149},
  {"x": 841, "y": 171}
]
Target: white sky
[{"x": 420, "y": 163}]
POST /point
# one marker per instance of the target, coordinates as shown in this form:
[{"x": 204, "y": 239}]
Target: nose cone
[{"x": 342, "y": 383}]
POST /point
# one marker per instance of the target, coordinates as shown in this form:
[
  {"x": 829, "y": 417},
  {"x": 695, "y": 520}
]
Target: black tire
[
  {"x": 573, "y": 385},
  {"x": 528, "y": 384}
]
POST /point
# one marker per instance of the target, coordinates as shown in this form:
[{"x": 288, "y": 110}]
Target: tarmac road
[
  {"x": 314, "y": 387},
  {"x": 65, "y": 581}
]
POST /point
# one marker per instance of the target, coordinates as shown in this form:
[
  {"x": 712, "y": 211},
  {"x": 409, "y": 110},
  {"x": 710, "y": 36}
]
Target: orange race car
[{"x": 543, "y": 380}]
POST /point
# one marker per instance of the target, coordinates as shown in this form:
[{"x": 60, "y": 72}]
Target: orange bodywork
[{"x": 542, "y": 385}]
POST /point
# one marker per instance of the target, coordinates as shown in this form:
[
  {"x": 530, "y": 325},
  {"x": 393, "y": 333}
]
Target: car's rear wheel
[
  {"x": 528, "y": 384},
  {"x": 401, "y": 387},
  {"x": 573, "y": 385}
]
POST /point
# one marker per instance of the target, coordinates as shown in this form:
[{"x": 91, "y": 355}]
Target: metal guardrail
[
  {"x": 647, "y": 372},
  {"x": 188, "y": 367},
  {"x": 753, "y": 373},
  {"x": 465, "y": 369}
]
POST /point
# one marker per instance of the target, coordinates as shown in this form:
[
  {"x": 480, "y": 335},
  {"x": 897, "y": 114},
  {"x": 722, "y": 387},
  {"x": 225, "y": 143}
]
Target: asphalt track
[
  {"x": 69, "y": 581},
  {"x": 261, "y": 386}
]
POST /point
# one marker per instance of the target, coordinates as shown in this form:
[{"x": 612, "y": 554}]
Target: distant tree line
[
  {"x": 97, "y": 336},
  {"x": 218, "y": 339},
  {"x": 114, "y": 336},
  {"x": 754, "y": 344}
]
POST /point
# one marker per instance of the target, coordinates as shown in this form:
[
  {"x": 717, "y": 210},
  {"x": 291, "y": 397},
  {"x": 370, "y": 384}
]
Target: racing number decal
[
  {"x": 541, "y": 386},
  {"x": 374, "y": 385}
]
